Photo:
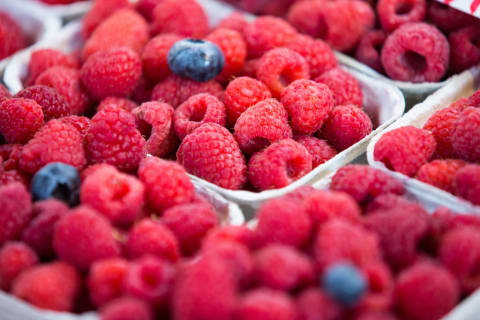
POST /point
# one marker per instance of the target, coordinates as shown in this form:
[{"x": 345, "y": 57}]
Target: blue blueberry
[
  {"x": 345, "y": 283},
  {"x": 56, "y": 180},
  {"x": 199, "y": 60}
]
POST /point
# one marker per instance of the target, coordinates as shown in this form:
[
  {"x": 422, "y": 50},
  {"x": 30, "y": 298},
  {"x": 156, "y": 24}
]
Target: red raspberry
[
  {"x": 390, "y": 201},
  {"x": 127, "y": 308},
  {"x": 12, "y": 37},
  {"x": 99, "y": 12},
  {"x": 183, "y": 17},
  {"x": 314, "y": 304},
  {"x": 369, "y": 49},
  {"x": 250, "y": 68},
  {"x": 4, "y": 93},
  {"x": 319, "y": 149},
  {"x": 157, "y": 118},
  {"x": 282, "y": 268},
  {"x": 190, "y": 223},
  {"x": 19, "y": 119},
  {"x": 280, "y": 164},
  {"x": 237, "y": 234},
  {"x": 15, "y": 258},
  {"x": 39, "y": 232},
  {"x": 318, "y": 54},
  {"x": 376, "y": 316},
  {"x": 10, "y": 154},
  {"x": 68, "y": 84},
  {"x": 54, "y": 142},
  {"x": 408, "y": 53},
  {"x": 307, "y": 17},
  {"x": 344, "y": 86},
  {"x": 267, "y": 33},
  {"x": 43, "y": 59},
  {"x": 467, "y": 183},
  {"x": 154, "y": 56},
  {"x": 466, "y": 53},
  {"x": 83, "y": 236},
  {"x": 106, "y": 279},
  {"x": 166, "y": 183},
  {"x": 465, "y": 136},
  {"x": 380, "y": 287},
  {"x": 14, "y": 175},
  {"x": 196, "y": 111},
  {"x": 425, "y": 291},
  {"x": 284, "y": 222},
  {"x": 211, "y": 153},
  {"x": 143, "y": 91},
  {"x": 123, "y": 103},
  {"x": 266, "y": 304},
  {"x": 405, "y": 149},
  {"x": 346, "y": 126},
  {"x": 124, "y": 28},
  {"x": 308, "y": 105},
  {"x": 146, "y": 7},
  {"x": 364, "y": 183},
  {"x": 280, "y": 67},
  {"x": 473, "y": 100},
  {"x": 52, "y": 286},
  {"x": 236, "y": 21},
  {"x": 52, "y": 103},
  {"x": 82, "y": 124},
  {"x": 440, "y": 173},
  {"x": 446, "y": 18},
  {"x": 394, "y": 13},
  {"x": 175, "y": 90}
]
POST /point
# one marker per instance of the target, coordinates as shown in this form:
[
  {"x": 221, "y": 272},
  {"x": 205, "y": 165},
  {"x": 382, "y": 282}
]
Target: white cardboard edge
[{"x": 66, "y": 11}]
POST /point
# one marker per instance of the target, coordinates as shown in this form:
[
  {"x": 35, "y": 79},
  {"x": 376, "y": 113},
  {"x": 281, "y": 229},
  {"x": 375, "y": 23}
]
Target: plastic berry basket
[
  {"x": 65, "y": 11},
  {"x": 459, "y": 86}
]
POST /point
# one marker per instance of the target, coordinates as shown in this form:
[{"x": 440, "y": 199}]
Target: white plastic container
[{"x": 64, "y": 11}]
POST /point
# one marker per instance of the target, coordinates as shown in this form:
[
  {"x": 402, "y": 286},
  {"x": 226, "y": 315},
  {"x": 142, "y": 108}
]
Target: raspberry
[
  {"x": 390, "y": 201},
  {"x": 11, "y": 35},
  {"x": 127, "y": 308},
  {"x": 282, "y": 268},
  {"x": 405, "y": 149},
  {"x": 166, "y": 183},
  {"x": 197, "y": 110},
  {"x": 19, "y": 119},
  {"x": 346, "y": 126},
  {"x": 143, "y": 91},
  {"x": 394, "y": 13},
  {"x": 345, "y": 88},
  {"x": 369, "y": 49},
  {"x": 280, "y": 67},
  {"x": 308, "y": 17},
  {"x": 52, "y": 286},
  {"x": 190, "y": 223},
  {"x": 284, "y": 222},
  {"x": 175, "y": 90},
  {"x": 440, "y": 173},
  {"x": 82, "y": 124},
  {"x": 100, "y": 11},
  {"x": 13, "y": 175},
  {"x": 39, "y": 232},
  {"x": 54, "y": 142},
  {"x": 68, "y": 84},
  {"x": 473, "y": 100},
  {"x": 380, "y": 287},
  {"x": 364, "y": 183},
  {"x": 83, "y": 236},
  {"x": 250, "y": 68},
  {"x": 146, "y": 7},
  {"x": 15, "y": 210},
  {"x": 236, "y": 234},
  {"x": 52, "y": 103},
  {"x": 266, "y": 304},
  {"x": 4, "y": 93},
  {"x": 318, "y": 54},
  {"x": 236, "y": 21},
  {"x": 376, "y": 316},
  {"x": 446, "y": 18},
  {"x": 154, "y": 56},
  {"x": 467, "y": 183},
  {"x": 280, "y": 164},
  {"x": 124, "y": 28},
  {"x": 15, "y": 258},
  {"x": 315, "y": 304},
  {"x": 10, "y": 154},
  {"x": 123, "y": 103},
  {"x": 308, "y": 104},
  {"x": 183, "y": 17},
  {"x": 267, "y": 33},
  {"x": 425, "y": 291},
  {"x": 106, "y": 279},
  {"x": 466, "y": 53},
  {"x": 113, "y": 138},
  {"x": 211, "y": 153},
  {"x": 319, "y": 149},
  {"x": 465, "y": 136}
]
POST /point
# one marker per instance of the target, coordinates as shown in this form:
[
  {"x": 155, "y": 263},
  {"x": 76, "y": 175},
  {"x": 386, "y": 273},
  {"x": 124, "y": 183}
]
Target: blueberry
[
  {"x": 199, "y": 60},
  {"x": 56, "y": 180},
  {"x": 345, "y": 283}
]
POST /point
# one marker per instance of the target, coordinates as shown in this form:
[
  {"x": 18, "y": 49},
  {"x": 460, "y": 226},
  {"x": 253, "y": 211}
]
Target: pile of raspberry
[
  {"x": 12, "y": 36},
  {"x": 280, "y": 107},
  {"x": 445, "y": 153}
]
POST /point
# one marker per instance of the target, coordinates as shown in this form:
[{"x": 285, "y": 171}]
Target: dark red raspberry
[
  {"x": 143, "y": 92},
  {"x": 54, "y": 142},
  {"x": 364, "y": 183},
  {"x": 52, "y": 286},
  {"x": 405, "y": 149},
  {"x": 83, "y": 236},
  {"x": 182, "y": 17},
  {"x": 345, "y": 88},
  {"x": 416, "y": 52},
  {"x": 236, "y": 21},
  {"x": 440, "y": 173},
  {"x": 100, "y": 11},
  {"x": 369, "y": 49},
  {"x": 190, "y": 223},
  {"x": 425, "y": 291},
  {"x": 315, "y": 304},
  {"x": 43, "y": 59},
  {"x": 465, "y": 136},
  {"x": 106, "y": 280},
  {"x": 15, "y": 258},
  {"x": 228, "y": 233},
  {"x": 127, "y": 308},
  {"x": 394, "y": 13},
  {"x": 146, "y": 7},
  {"x": 196, "y": 111},
  {"x": 466, "y": 53},
  {"x": 280, "y": 164},
  {"x": 123, "y": 103},
  {"x": 124, "y": 28},
  {"x": 39, "y": 232},
  {"x": 446, "y": 18},
  {"x": 211, "y": 153},
  {"x": 10, "y": 154},
  {"x": 12, "y": 36},
  {"x": 280, "y": 67},
  {"x": 267, "y": 33},
  {"x": 19, "y": 119},
  {"x": 82, "y": 124},
  {"x": 67, "y": 83},
  {"x": 175, "y": 90},
  {"x": 346, "y": 125},
  {"x": 319, "y": 149},
  {"x": 263, "y": 304},
  {"x": 4, "y": 93},
  {"x": 467, "y": 183},
  {"x": 52, "y": 103},
  {"x": 154, "y": 56}
]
